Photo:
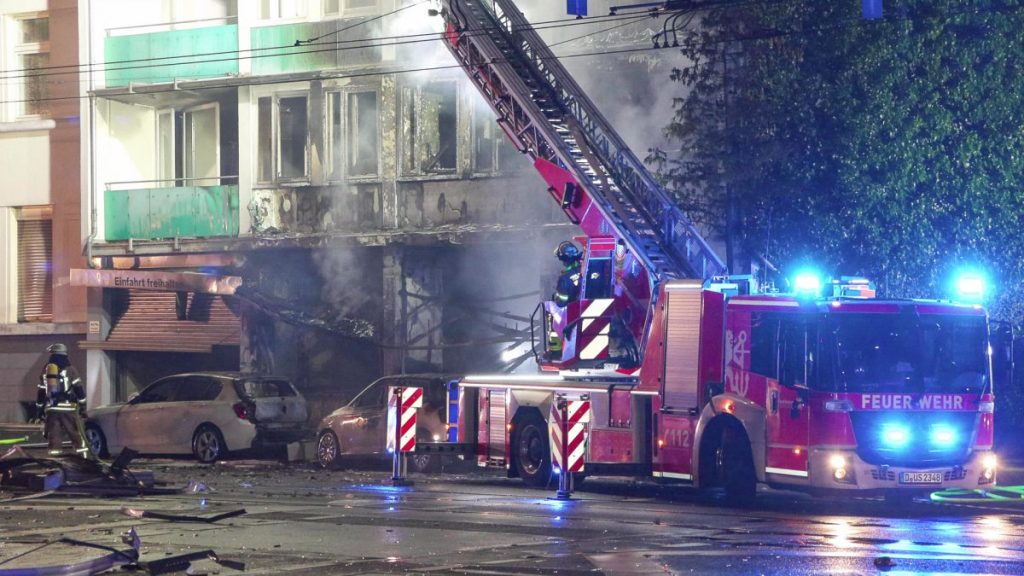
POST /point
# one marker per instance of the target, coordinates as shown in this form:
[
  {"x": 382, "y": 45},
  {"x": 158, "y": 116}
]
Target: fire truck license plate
[{"x": 921, "y": 478}]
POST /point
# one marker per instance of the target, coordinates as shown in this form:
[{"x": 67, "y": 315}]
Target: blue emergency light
[
  {"x": 896, "y": 436},
  {"x": 807, "y": 283},
  {"x": 577, "y": 8},
  {"x": 943, "y": 436},
  {"x": 971, "y": 286}
]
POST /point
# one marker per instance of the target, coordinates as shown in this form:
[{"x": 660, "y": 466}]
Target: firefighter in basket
[
  {"x": 567, "y": 290},
  {"x": 60, "y": 402}
]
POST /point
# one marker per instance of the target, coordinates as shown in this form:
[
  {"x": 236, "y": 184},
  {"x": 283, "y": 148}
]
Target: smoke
[{"x": 632, "y": 90}]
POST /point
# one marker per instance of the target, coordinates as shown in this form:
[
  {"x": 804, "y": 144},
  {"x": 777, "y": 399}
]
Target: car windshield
[
  {"x": 927, "y": 353},
  {"x": 265, "y": 389}
]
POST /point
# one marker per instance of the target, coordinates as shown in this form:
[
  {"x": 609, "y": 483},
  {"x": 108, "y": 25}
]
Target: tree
[{"x": 891, "y": 148}]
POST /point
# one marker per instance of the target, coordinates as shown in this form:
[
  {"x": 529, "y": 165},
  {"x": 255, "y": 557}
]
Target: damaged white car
[
  {"x": 207, "y": 414},
  {"x": 360, "y": 427}
]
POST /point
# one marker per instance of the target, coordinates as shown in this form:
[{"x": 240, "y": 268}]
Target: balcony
[
  {"x": 192, "y": 53},
  {"x": 170, "y": 212}
]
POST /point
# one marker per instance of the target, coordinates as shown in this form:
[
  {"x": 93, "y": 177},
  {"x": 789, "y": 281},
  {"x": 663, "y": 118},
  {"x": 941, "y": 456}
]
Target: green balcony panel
[
  {"x": 193, "y": 53},
  {"x": 275, "y": 52},
  {"x": 186, "y": 212}
]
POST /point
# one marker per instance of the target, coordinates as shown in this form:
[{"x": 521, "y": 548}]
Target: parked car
[
  {"x": 360, "y": 427},
  {"x": 207, "y": 414}
]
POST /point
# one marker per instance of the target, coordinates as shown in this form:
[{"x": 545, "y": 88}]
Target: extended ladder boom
[{"x": 547, "y": 115}]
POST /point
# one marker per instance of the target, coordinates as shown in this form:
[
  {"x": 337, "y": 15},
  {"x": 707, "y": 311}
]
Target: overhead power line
[{"x": 69, "y": 69}]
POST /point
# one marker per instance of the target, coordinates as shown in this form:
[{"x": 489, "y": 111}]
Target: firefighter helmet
[
  {"x": 568, "y": 253},
  {"x": 57, "y": 348}
]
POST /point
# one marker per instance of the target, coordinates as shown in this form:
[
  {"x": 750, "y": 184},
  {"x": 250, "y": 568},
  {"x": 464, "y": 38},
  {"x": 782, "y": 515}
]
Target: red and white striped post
[
  {"x": 402, "y": 405},
  {"x": 567, "y": 428}
]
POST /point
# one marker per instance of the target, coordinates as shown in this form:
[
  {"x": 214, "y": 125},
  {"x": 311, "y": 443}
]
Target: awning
[{"x": 154, "y": 321}]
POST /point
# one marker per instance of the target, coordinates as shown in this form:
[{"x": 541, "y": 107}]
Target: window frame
[
  {"x": 345, "y": 12},
  {"x": 275, "y": 144},
  {"x": 15, "y": 50},
  {"x": 334, "y": 173},
  {"x": 274, "y": 13},
  {"x": 179, "y": 125}
]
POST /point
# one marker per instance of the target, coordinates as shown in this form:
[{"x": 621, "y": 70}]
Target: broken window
[
  {"x": 485, "y": 139},
  {"x": 354, "y": 134},
  {"x": 282, "y": 138},
  {"x": 492, "y": 150},
  {"x": 188, "y": 146},
  {"x": 429, "y": 129}
]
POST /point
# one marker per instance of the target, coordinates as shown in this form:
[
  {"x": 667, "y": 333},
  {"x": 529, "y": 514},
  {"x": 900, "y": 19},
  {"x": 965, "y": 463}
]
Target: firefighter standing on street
[{"x": 61, "y": 402}]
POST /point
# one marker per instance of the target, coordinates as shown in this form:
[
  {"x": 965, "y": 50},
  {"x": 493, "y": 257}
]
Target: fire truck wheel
[
  {"x": 734, "y": 465},
  {"x": 424, "y": 463},
  {"x": 533, "y": 458}
]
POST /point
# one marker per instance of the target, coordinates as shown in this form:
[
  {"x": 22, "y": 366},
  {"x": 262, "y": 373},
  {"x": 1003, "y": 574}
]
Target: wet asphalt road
[{"x": 301, "y": 520}]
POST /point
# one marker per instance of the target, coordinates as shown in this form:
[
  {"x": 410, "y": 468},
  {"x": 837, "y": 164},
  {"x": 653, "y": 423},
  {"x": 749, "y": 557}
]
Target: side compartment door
[{"x": 683, "y": 375}]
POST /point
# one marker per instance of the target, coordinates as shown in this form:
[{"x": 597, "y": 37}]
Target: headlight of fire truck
[{"x": 841, "y": 470}]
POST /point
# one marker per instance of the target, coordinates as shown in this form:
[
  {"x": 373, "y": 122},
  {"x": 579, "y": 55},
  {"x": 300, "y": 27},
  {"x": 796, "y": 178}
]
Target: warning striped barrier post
[
  {"x": 402, "y": 404},
  {"x": 567, "y": 436}
]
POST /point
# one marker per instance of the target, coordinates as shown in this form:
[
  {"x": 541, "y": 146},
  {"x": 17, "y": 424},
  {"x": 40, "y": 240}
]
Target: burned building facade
[{"x": 318, "y": 188}]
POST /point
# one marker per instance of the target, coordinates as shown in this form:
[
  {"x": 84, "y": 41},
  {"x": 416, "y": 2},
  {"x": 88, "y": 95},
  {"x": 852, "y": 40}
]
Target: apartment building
[{"x": 41, "y": 232}]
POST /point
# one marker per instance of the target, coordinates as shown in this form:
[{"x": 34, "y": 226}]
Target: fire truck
[{"x": 691, "y": 374}]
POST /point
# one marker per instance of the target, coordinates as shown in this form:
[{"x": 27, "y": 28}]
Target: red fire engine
[{"x": 693, "y": 375}]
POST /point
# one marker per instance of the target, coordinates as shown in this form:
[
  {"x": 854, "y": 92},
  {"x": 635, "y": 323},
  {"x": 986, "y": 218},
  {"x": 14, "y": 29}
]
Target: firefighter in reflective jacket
[
  {"x": 61, "y": 402},
  {"x": 568, "y": 288}
]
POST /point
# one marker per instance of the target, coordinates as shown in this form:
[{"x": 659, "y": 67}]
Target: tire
[
  {"x": 733, "y": 466},
  {"x": 96, "y": 440},
  {"x": 531, "y": 451},
  {"x": 424, "y": 463},
  {"x": 208, "y": 444},
  {"x": 328, "y": 450}
]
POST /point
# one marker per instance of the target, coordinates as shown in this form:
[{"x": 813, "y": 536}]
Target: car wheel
[
  {"x": 533, "y": 457},
  {"x": 328, "y": 450},
  {"x": 208, "y": 444},
  {"x": 96, "y": 440}
]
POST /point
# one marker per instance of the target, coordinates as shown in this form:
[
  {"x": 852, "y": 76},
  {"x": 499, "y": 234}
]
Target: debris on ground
[
  {"x": 112, "y": 559},
  {"x": 137, "y": 513},
  {"x": 183, "y": 562},
  {"x": 71, "y": 474}
]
